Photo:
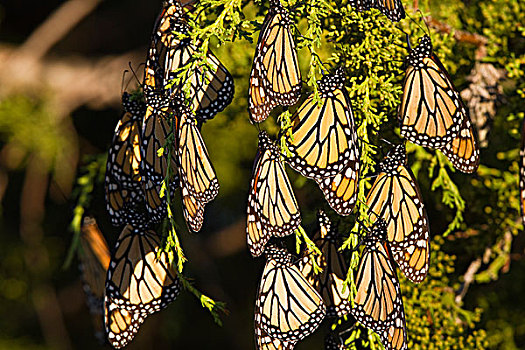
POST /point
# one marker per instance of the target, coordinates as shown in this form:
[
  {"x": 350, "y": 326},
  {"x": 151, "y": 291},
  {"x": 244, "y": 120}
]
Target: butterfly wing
[
  {"x": 211, "y": 85},
  {"x": 378, "y": 303},
  {"x": 392, "y": 9},
  {"x": 290, "y": 308},
  {"x": 431, "y": 111},
  {"x": 157, "y": 133},
  {"x": 121, "y": 325},
  {"x": 396, "y": 198},
  {"x": 463, "y": 151},
  {"x": 138, "y": 280},
  {"x": 196, "y": 169},
  {"x": 263, "y": 341},
  {"x": 323, "y": 138},
  {"x": 330, "y": 282},
  {"x": 123, "y": 185},
  {"x": 272, "y": 207},
  {"x": 275, "y": 78}
]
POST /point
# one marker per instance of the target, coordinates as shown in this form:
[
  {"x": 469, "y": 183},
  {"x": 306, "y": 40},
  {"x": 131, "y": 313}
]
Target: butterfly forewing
[
  {"x": 272, "y": 207},
  {"x": 275, "y": 78},
  {"x": 431, "y": 111},
  {"x": 323, "y": 138},
  {"x": 123, "y": 186}
]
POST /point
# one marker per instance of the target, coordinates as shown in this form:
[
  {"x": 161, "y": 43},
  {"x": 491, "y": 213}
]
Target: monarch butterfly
[
  {"x": 211, "y": 85},
  {"x": 123, "y": 185},
  {"x": 272, "y": 208},
  {"x": 396, "y": 198},
  {"x": 198, "y": 180},
  {"x": 288, "y": 308},
  {"x": 432, "y": 114},
  {"x": 323, "y": 138},
  {"x": 392, "y": 9},
  {"x": 522, "y": 172},
  {"x": 139, "y": 282},
  {"x": 275, "y": 78},
  {"x": 94, "y": 261},
  {"x": 329, "y": 283},
  {"x": 157, "y": 135},
  {"x": 378, "y": 302}
]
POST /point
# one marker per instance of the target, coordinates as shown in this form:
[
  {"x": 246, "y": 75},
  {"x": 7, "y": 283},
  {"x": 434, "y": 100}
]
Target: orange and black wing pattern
[
  {"x": 272, "y": 207},
  {"x": 431, "y": 110},
  {"x": 123, "y": 184},
  {"x": 463, "y": 150},
  {"x": 198, "y": 180},
  {"x": 211, "y": 85},
  {"x": 323, "y": 139},
  {"x": 341, "y": 190},
  {"x": 378, "y": 302},
  {"x": 288, "y": 306},
  {"x": 396, "y": 198},
  {"x": 392, "y": 9},
  {"x": 94, "y": 262},
  {"x": 275, "y": 79},
  {"x": 140, "y": 281}
]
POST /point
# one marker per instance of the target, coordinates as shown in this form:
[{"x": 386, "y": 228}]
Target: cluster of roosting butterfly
[
  {"x": 322, "y": 144},
  {"x": 158, "y": 147}
]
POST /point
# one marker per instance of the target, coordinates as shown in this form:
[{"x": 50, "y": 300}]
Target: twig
[
  {"x": 460, "y": 35},
  {"x": 55, "y": 27}
]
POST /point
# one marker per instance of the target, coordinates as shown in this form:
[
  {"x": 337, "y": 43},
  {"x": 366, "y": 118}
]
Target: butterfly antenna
[
  {"x": 122, "y": 88},
  {"x": 424, "y": 21},
  {"x": 134, "y": 73},
  {"x": 387, "y": 142}
]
